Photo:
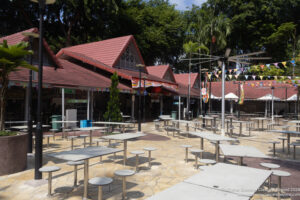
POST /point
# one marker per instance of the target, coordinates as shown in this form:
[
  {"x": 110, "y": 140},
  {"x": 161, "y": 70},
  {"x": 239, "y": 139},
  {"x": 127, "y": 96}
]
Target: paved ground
[{"x": 168, "y": 168}]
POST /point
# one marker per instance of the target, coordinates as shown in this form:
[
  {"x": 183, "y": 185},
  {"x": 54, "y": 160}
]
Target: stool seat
[
  {"x": 280, "y": 173},
  {"x": 196, "y": 150},
  {"x": 149, "y": 149},
  {"x": 49, "y": 169},
  {"x": 270, "y": 165},
  {"x": 124, "y": 172},
  {"x": 100, "y": 181},
  {"x": 47, "y": 136},
  {"x": 67, "y": 129},
  {"x": 186, "y": 146},
  {"x": 137, "y": 152},
  {"x": 72, "y": 137},
  {"x": 274, "y": 142},
  {"x": 295, "y": 144},
  {"x": 282, "y": 138},
  {"x": 83, "y": 136},
  {"x": 207, "y": 161},
  {"x": 72, "y": 163}
]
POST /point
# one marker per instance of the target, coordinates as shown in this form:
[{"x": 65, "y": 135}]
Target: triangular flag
[
  {"x": 289, "y": 77},
  {"x": 276, "y": 65},
  {"x": 282, "y": 77},
  {"x": 230, "y": 71},
  {"x": 268, "y": 66},
  {"x": 236, "y": 76},
  {"x": 209, "y": 76},
  {"x": 235, "y": 70},
  {"x": 261, "y": 77},
  {"x": 262, "y": 66},
  {"x": 230, "y": 76},
  {"x": 275, "y": 77},
  {"x": 269, "y": 77},
  {"x": 225, "y": 76},
  {"x": 253, "y": 76},
  {"x": 217, "y": 75},
  {"x": 219, "y": 72},
  {"x": 284, "y": 64},
  {"x": 246, "y": 76}
]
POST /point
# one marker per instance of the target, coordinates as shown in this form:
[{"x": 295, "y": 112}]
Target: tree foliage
[
  {"x": 11, "y": 58},
  {"x": 113, "y": 112}
]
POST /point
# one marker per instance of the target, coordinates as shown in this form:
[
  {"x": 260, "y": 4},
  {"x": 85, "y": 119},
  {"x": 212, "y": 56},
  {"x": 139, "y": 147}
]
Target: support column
[
  {"x": 88, "y": 105},
  {"x": 161, "y": 105},
  {"x": 132, "y": 106},
  {"x": 179, "y": 107},
  {"x": 92, "y": 105},
  {"x": 63, "y": 106}
]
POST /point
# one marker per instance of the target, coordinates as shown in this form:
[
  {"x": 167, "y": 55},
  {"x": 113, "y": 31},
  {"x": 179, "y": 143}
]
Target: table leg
[
  {"x": 124, "y": 188},
  {"x": 100, "y": 192},
  {"x": 258, "y": 124},
  {"x": 241, "y": 127},
  {"x": 75, "y": 175},
  {"x": 196, "y": 161},
  {"x": 125, "y": 152},
  {"x": 72, "y": 143},
  {"x": 231, "y": 130},
  {"x": 186, "y": 155},
  {"x": 136, "y": 162},
  {"x": 201, "y": 143},
  {"x": 84, "y": 142},
  {"x": 149, "y": 159},
  {"x": 90, "y": 137},
  {"x": 279, "y": 187},
  {"x": 86, "y": 179},
  {"x": 241, "y": 161},
  {"x": 288, "y": 143},
  {"x": 274, "y": 149},
  {"x": 49, "y": 183},
  {"x": 48, "y": 142},
  {"x": 217, "y": 151},
  {"x": 262, "y": 125}
]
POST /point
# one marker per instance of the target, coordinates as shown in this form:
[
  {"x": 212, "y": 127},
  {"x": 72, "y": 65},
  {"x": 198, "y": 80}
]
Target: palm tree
[{"x": 11, "y": 58}]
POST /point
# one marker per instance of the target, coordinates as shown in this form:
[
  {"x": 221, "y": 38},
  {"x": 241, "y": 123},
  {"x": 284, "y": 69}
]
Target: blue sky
[{"x": 182, "y": 4}]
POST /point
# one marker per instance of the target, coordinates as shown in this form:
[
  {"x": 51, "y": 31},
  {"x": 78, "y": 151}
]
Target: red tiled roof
[
  {"x": 184, "y": 78},
  {"x": 159, "y": 70},
  {"x": 71, "y": 75},
  {"x": 19, "y": 37},
  {"x": 105, "y": 51},
  {"x": 255, "y": 92}
]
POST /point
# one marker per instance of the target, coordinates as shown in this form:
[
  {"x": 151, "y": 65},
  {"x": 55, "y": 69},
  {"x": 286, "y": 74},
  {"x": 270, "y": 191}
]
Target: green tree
[
  {"x": 113, "y": 113},
  {"x": 11, "y": 58}
]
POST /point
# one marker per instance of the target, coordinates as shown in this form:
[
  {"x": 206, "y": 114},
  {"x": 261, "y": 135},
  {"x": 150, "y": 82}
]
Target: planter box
[{"x": 13, "y": 153}]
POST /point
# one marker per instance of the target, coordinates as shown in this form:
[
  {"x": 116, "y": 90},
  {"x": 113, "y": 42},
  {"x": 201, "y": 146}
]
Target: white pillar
[
  {"x": 132, "y": 106},
  {"x": 223, "y": 100},
  {"x": 231, "y": 106},
  {"x": 266, "y": 109},
  {"x": 161, "y": 105},
  {"x": 63, "y": 105},
  {"x": 88, "y": 104},
  {"x": 179, "y": 107}
]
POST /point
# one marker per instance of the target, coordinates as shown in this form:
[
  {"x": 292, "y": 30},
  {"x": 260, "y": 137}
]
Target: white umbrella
[
  {"x": 292, "y": 98},
  {"x": 231, "y": 96},
  {"x": 268, "y": 97},
  {"x": 215, "y": 97}
]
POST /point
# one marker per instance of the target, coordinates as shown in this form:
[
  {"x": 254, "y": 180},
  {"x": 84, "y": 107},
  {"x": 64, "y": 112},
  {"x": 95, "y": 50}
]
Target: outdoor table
[
  {"x": 122, "y": 124},
  {"x": 84, "y": 154},
  {"x": 212, "y": 137},
  {"x": 288, "y": 133},
  {"x": 90, "y": 129},
  {"x": 124, "y": 137},
  {"x": 219, "y": 181},
  {"x": 297, "y": 122},
  {"x": 209, "y": 118},
  {"x": 241, "y": 125},
  {"x": 241, "y": 152},
  {"x": 262, "y": 122},
  {"x": 63, "y": 123},
  {"x": 166, "y": 119},
  {"x": 125, "y": 116},
  {"x": 231, "y": 127},
  {"x": 15, "y": 122},
  {"x": 25, "y": 127},
  {"x": 188, "y": 123},
  {"x": 276, "y": 117}
]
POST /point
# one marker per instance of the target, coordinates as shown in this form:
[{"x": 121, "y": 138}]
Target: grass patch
[{"x": 8, "y": 133}]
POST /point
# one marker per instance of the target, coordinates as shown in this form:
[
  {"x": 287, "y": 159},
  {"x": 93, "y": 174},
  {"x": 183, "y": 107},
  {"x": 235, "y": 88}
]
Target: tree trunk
[{"x": 3, "y": 92}]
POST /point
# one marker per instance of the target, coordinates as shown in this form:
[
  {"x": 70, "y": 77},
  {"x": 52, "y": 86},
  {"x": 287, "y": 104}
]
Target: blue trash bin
[{"x": 83, "y": 123}]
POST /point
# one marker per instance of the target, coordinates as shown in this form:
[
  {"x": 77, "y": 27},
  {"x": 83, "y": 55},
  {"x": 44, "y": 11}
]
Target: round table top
[
  {"x": 149, "y": 149},
  {"x": 70, "y": 137},
  {"x": 124, "y": 172},
  {"x": 100, "y": 181},
  {"x": 280, "y": 173},
  {"x": 295, "y": 143},
  {"x": 196, "y": 150},
  {"x": 274, "y": 142},
  {"x": 186, "y": 146},
  {"x": 137, "y": 152},
  {"x": 207, "y": 161},
  {"x": 49, "y": 169},
  {"x": 83, "y": 136},
  {"x": 270, "y": 165},
  {"x": 81, "y": 162},
  {"x": 47, "y": 135},
  {"x": 282, "y": 138}
]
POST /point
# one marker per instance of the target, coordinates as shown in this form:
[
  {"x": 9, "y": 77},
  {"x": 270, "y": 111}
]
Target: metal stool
[
  {"x": 274, "y": 143},
  {"x": 295, "y": 144},
  {"x": 84, "y": 139},
  {"x": 48, "y": 138},
  {"x": 100, "y": 181},
  {"x": 283, "y": 139},
  {"x": 270, "y": 166},
  {"x": 75, "y": 164},
  {"x": 124, "y": 173},
  {"x": 186, "y": 146},
  {"x": 196, "y": 152},
  {"x": 137, "y": 153},
  {"x": 280, "y": 174},
  {"x": 72, "y": 141},
  {"x": 149, "y": 149},
  {"x": 49, "y": 170},
  {"x": 207, "y": 161}
]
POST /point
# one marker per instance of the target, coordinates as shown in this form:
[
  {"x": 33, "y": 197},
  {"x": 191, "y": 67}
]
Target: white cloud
[{"x": 186, "y": 4}]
